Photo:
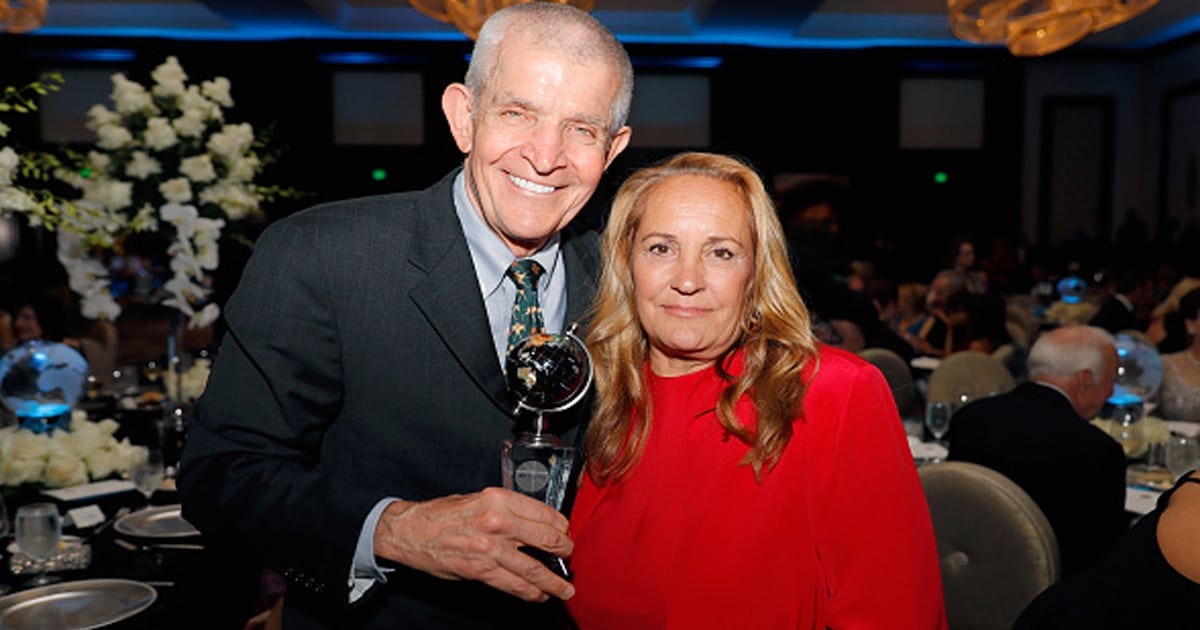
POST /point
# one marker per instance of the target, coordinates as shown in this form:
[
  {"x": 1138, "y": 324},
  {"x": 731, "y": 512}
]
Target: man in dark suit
[
  {"x": 1119, "y": 311},
  {"x": 1039, "y": 436},
  {"x": 350, "y": 431}
]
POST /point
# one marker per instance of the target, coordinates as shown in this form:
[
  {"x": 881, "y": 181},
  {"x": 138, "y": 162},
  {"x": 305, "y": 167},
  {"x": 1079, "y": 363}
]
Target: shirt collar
[{"x": 490, "y": 255}]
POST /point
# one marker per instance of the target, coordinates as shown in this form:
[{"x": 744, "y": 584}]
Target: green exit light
[
  {"x": 941, "y": 177},
  {"x": 379, "y": 174},
  {"x": 85, "y": 172}
]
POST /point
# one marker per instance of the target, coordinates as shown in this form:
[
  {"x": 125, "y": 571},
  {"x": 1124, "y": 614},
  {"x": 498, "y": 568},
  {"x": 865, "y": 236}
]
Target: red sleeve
[{"x": 873, "y": 532}]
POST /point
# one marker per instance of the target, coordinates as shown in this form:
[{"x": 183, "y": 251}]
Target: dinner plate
[
  {"x": 81, "y": 604},
  {"x": 164, "y": 521}
]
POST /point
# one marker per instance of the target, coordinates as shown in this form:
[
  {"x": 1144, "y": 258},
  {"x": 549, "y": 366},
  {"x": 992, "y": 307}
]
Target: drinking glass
[
  {"x": 1183, "y": 454},
  {"x": 39, "y": 528},
  {"x": 147, "y": 473},
  {"x": 937, "y": 419}
]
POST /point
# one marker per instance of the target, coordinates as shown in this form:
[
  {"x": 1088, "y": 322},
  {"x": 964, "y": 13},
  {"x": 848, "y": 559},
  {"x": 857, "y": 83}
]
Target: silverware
[{"x": 125, "y": 544}]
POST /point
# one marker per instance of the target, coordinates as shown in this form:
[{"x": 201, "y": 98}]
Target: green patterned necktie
[{"x": 526, "y": 313}]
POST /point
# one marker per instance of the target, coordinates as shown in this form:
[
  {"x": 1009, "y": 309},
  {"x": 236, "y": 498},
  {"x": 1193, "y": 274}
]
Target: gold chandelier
[
  {"x": 21, "y": 16},
  {"x": 469, "y": 15},
  {"x": 1032, "y": 28}
]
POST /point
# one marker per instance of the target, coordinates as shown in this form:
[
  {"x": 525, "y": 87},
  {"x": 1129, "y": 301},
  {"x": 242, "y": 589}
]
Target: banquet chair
[
  {"x": 968, "y": 373},
  {"x": 897, "y": 373},
  {"x": 996, "y": 548}
]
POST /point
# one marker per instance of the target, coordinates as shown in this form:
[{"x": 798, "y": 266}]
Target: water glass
[
  {"x": 1183, "y": 454},
  {"x": 937, "y": 419},
  {"x": 39, "y": 528},
  {"x": 148, "y": 473}
]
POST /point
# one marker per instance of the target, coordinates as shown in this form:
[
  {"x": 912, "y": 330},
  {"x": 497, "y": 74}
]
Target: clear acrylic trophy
[{"x": 547, "y": 373}]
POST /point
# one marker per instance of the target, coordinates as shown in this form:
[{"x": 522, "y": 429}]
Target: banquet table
[{"x": 197, "y": 586}]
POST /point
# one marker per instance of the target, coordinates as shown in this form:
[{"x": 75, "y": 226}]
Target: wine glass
[
  {"x": 1183, "y": 454},
  {"x": 148, "y": 473},
  {"x": 937, "y": 419},
  {"x": 39, "y": 528}
]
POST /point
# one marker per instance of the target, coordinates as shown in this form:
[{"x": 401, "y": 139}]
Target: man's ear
[
  {"x": 619, "y": 141},
  {"x": 456, "y": 105}
]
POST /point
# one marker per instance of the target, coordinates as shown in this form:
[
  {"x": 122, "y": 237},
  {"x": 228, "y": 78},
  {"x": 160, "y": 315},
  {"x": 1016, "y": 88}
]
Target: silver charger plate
[
  {"x": 81, "y": 604},
  {"x": 164, "y": 521}
]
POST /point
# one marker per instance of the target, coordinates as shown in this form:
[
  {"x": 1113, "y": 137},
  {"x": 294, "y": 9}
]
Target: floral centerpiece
[
  {"x": 88, "y": 452},
  {"x": 167, "y": 167}
]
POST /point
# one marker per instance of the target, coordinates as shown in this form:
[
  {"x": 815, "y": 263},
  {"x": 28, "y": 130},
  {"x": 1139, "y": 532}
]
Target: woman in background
[
  {"x": 739, "y": 475},
  {"x": 1179, "y": 398}
]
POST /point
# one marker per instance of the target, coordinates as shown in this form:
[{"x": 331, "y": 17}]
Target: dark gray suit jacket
[
  {"x": 1071, "y": 469},
  {"x": 358, "y": 364}
]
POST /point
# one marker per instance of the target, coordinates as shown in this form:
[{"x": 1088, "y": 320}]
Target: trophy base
[{"x": 539, "y": 466}]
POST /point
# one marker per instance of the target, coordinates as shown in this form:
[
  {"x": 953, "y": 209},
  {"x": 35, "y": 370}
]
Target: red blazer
[{"x": 837, "y": 535}]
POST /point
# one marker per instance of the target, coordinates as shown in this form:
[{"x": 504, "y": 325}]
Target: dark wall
[{"x": 786, "y": 111}]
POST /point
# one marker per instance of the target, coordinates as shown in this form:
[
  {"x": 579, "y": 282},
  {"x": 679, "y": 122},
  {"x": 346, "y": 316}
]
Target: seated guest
[
  {"x": 1179, "y": 398},
  {"x": 1166, "y": 327},
  {"x": 1039, "y": 436},
  {"x": 1149, "y": 579},
  {"x": 977, "y": 322},
  {"x": 1119, "y": 310},
  {"x": 726, "y": 444}
]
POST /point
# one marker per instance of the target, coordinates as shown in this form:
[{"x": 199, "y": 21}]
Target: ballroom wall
[{"x": 787, "y": 111}]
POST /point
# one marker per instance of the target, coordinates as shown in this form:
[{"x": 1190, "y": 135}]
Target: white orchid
[
  {"x": 198, "y": 168},
  {"x": 141, "y": 166}
]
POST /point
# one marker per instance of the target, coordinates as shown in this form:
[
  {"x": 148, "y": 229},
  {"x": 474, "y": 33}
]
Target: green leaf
[{"x": 20, "y": 109}]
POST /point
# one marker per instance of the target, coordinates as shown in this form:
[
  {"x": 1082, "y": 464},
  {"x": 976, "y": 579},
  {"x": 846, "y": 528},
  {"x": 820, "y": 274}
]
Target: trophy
[{"x": 547, "y": 373}]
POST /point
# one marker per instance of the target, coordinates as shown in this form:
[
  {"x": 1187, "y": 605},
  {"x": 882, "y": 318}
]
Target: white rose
[
  {"x": 218, "y": 91},
  {"x": 236, "y": 200},
  {"x": 30, "y": 445},
  {"x": 113, "y": 194},
  {"x": 145, "y": 220},
  {"x": 23, "y": 470},
  {"x": 231, "y": 141},
  {"x": 242, "y": 169},
  {"x": 9, "y": 160},
  {"x": 190, "y": 124},
  {"x": 99, "y": 116},
  {"x": 18, "y": 200},
  {"x": 141, "y": 165},
  {"x": 160, "y": 134},
  {"x": 102, "y": 463},
  {"x": 108, "y": 426},
  {"x": 198, "y": 168},
  {"x": 99, "y": 161},
  {"x": 130, "y": 97},
  {"x": 169, "y": 71},
  {"x": 64, "y": 469},
  {"x": 112, "y": 137},
  {"x": 176, "y": 190},
  {"x": 193, "y": 100}
]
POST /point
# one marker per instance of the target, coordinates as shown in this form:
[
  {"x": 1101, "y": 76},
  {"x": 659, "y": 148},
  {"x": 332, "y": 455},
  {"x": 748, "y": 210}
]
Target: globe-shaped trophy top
[
  {"x": 41, "y": 379},
  {"x": 1139, "y": 371},
  {"x": 548, "y": 372}
]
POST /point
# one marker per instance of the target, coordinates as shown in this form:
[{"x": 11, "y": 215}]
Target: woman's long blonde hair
[{"x": 776, "y": 335}]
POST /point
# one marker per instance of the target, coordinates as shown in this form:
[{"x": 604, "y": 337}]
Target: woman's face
[
  {"x": 692, "y": 262},
  {"x": 25, "y": 325}
]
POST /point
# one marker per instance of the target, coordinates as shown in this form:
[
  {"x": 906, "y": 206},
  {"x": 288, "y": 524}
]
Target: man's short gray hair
[
  {"x": 560, "y": 27},
  {"x": 1068, "y": 350}
]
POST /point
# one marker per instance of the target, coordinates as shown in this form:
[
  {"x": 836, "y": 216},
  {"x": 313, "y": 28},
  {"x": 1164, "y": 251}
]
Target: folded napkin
[{"x": 926, "y": 450}]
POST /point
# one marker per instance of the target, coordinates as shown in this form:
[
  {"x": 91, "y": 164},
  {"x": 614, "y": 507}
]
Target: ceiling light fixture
[
  {"x": 20, "y": 16},
  {"x": 1033, "y": 28},
  {"x": 468, "y": 16}
]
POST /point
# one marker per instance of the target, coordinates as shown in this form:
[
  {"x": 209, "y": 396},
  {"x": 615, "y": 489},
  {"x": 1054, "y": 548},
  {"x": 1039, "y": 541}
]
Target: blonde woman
[{"x": 739, "y": 474}]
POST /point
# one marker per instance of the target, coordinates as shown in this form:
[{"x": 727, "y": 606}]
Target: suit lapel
[{"x": 449, "y": 295}]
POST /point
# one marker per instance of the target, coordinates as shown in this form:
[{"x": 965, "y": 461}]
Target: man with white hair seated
[{"x": 1039, "y": 436}]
